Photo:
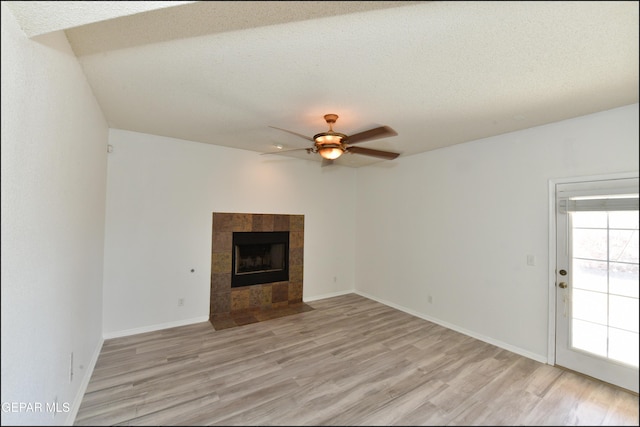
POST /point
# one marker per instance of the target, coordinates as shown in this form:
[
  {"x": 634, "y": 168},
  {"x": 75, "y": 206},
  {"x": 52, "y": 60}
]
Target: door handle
[{"x": 562, "y": 285}]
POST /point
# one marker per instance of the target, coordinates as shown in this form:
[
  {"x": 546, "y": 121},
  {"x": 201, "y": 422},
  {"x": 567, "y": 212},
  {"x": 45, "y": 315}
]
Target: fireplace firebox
[{"x": 259, "y": 257}]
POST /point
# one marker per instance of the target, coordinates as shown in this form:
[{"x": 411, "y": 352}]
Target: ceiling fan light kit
[
  {"x": 330, "y": 152},
  {"x": 331, "y": 145}
]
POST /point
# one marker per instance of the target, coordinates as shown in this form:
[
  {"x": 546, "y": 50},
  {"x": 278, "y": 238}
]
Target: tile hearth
[{"x": 239, "y": 318}]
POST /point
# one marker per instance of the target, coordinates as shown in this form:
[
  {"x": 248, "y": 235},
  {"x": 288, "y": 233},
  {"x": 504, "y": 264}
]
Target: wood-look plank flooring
[{"x": 350, "y": 361}]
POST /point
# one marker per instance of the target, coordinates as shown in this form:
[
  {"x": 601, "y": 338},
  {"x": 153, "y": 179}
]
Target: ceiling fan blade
[
  {"x": 286, "y": 151},
  {"x": 375, "y": 153},
  {"x": 294, "y": 133},
  {"x": 375, "y": 133}
]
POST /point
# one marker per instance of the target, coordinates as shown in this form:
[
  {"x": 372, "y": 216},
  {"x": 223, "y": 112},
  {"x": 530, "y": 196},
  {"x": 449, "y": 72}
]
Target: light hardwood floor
[{"x": 351, "y": 361}]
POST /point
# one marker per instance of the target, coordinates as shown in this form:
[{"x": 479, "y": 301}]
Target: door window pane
[
  {"x": 623, "y": 219},
  {"x": 623, "y": 245},
  {"x": 590, "y": 275},
  {"x": 590, "y": 220},
  {"x": 590, "y": 243},
  {"x": 589, "y": 337},
  {"x": 590, "y": 306},
  {"x": 623, "y": 346},
  {"x": 623, "y": 313},
  {"x": 624, "y": 279}
]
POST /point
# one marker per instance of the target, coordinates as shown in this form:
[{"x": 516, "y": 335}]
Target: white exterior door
[{"x": 597, "y": 279}]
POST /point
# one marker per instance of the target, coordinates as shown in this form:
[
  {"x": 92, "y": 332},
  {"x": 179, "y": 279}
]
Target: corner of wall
[{"x": 71, "y": 416}]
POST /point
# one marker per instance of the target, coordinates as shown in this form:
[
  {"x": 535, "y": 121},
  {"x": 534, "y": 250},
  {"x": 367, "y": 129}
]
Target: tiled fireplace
[{"x": 228, "y": 300}]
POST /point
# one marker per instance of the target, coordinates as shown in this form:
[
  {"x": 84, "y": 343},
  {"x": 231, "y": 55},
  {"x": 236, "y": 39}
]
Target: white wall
[
  {"x": 161, "y": 194},
  {"x": 458, "y": 223},
  {"x": 54, "y": 141}
]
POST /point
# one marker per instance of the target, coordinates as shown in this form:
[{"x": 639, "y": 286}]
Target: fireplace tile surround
[{"x": 247, "y": 304}]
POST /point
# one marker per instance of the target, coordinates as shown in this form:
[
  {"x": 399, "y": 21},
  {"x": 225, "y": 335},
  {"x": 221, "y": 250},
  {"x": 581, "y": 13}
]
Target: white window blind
[{"x": 606, "y": 195}]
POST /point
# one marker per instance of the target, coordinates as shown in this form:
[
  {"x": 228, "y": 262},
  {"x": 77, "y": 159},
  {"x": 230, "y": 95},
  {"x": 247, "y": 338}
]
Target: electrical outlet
[{"x": 180, "y": 302}]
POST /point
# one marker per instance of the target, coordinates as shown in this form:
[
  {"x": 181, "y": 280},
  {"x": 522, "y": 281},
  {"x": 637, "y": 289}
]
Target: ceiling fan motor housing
[
  {"x": 330, "y": 139},
  {"x": 330, "y": 144}
]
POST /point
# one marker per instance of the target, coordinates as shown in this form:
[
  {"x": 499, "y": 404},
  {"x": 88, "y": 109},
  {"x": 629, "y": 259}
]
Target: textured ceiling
[{"x": 438, "y": 73}]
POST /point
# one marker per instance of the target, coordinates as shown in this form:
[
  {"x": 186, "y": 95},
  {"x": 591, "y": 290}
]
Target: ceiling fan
[{"x": 331, "y": 145}]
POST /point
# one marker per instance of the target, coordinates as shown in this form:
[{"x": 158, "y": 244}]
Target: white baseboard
[
  {"x": 71, "y": 416},
  {"x": 331, "y": 295},
  {"x": 497, "y": 343},
  {"x": 152, "y": 328}
]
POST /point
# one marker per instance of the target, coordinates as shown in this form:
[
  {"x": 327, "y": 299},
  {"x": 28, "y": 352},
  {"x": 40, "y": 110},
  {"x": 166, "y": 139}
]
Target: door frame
[{"x": 551, "y": 288}]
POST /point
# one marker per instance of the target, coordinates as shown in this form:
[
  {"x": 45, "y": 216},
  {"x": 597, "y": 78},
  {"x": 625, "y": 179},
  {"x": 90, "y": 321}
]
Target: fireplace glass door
[{"x": 260, "y": 257}]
